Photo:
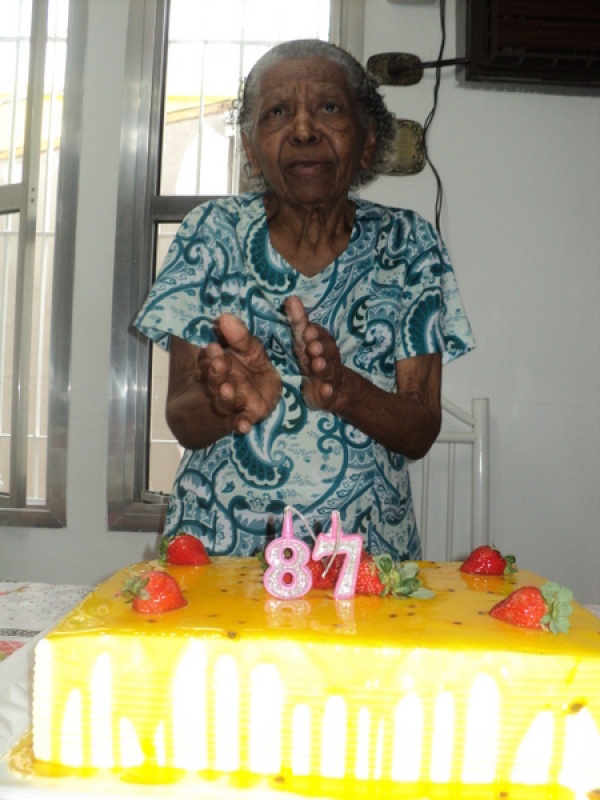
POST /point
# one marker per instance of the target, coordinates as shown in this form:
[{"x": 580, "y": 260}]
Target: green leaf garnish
[
  {"x": 162, "y": 550},
  {"x": 558, "y": 599},
  {"x": 400, "y": 579},
  {"x": 511, "y": 565}
]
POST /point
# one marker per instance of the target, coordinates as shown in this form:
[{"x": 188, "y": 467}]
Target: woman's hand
[
  {"x": 225, "y": 387},
  {"x": 239, "y": 376},
  {"x": 318, "y": 356},
  {"x": 406, "y": 421}
]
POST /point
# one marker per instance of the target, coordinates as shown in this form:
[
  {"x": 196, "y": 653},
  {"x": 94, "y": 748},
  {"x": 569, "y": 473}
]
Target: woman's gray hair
[{"x": 363, "y": 86}]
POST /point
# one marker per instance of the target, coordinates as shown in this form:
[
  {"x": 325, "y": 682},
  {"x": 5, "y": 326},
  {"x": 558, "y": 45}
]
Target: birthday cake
[{"x": 374, "y": 696}]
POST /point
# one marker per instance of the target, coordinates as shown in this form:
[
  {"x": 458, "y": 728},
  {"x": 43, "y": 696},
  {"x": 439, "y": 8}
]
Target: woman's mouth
[{"x": 307, "y": 166}]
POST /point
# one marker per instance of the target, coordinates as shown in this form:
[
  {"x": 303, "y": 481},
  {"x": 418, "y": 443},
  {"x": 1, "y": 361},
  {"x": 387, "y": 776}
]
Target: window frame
[
  {"x": 140, "y": 210},
  {"x": 22, "y": 199}
]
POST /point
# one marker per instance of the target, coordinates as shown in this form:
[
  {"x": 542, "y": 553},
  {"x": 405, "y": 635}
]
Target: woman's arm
[
  {"x": 189, "y": 411},
  {"x": 219, "y": 389},
  {"x": 406, "y": 421}
]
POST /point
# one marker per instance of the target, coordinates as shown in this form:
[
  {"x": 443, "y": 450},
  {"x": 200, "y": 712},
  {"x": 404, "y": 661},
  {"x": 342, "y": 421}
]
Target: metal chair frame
[{"x": 475, "y": 434}]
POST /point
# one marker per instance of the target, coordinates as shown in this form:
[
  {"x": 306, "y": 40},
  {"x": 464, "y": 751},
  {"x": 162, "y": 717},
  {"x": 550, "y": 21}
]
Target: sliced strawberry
[
  {"x": 486, "y": 560},
  {"x": 154, "y": 592},
  {"x": 184, "y": 549},
  {"x": 546, "y": 608}
]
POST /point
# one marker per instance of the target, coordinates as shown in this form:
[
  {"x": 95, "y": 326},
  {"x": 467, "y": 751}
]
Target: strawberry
[
  {"x": 153, "y": 592},
  {"x": 486, "y": 560},
  {"x": 381, "y": 575},
  {"x": 546, "y": 608},
  {"x": 323, "y": 576},
  {"x": 183, "y": 549},
  {"x": 368, "y": 580}
]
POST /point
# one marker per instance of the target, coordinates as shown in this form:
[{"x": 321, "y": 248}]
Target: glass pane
[
  {"x": 164, "y": 450},
  {"x": 14, "y": 63},
  {"x": 35, "y": 307},
  {"x": 54, "y": 77},
  {"x": 212, "y": 46},
  {"x": 9, "y": 236}
]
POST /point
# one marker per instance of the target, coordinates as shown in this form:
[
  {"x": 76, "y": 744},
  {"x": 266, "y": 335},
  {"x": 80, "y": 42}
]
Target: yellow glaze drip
[{"x": 374, "y": 696}]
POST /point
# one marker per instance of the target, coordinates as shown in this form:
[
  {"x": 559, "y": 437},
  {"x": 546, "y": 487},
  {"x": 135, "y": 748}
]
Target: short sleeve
[
  {"x": 198, "y": 282},
  {"x": 433, "y": 317}
]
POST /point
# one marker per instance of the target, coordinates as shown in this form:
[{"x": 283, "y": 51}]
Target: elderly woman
[{"x": 306, "y": 327}]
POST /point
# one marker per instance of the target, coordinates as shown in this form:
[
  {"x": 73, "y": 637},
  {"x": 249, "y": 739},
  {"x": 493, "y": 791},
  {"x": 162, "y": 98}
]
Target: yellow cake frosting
[{"x": 384, "y": 697}]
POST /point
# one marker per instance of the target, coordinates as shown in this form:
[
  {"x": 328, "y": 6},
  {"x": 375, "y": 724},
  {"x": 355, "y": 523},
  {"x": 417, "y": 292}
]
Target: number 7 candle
[{"x": 350, "y": 545}]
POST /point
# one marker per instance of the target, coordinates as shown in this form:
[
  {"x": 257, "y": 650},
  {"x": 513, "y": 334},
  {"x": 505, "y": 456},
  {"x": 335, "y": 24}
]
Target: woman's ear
[
  {"x": 252, "y": 160},
  {"x": 368, "y": 148}
]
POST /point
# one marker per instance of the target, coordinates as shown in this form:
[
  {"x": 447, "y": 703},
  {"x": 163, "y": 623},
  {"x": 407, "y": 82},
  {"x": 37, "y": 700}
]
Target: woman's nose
[{"x": 304, "y": 127}]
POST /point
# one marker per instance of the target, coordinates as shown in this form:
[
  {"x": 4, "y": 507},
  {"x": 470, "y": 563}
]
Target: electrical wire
[{"x": 439, "y": 200}]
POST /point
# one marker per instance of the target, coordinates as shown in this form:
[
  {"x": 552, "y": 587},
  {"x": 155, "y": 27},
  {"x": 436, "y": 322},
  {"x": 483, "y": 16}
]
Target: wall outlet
[{"x": 409, "y": 154}]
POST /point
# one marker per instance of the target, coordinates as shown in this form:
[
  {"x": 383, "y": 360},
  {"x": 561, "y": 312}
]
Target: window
[
  {"x": 186, "y": 61},
  {"x": 34, "y": 290}
]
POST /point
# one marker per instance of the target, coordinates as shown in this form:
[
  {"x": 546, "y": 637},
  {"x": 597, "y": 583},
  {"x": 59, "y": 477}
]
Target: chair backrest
[{"x": 451, "y": 485}]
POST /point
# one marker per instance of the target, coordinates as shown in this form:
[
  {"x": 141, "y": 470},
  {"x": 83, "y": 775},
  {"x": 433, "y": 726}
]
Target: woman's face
[{"x": 307, "y": 141}]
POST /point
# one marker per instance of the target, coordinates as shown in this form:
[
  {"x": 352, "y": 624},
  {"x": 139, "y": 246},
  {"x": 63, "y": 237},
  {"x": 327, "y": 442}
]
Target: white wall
[
  {"x": 521, "y": 218},
  {"x": 521, "y": 174}
]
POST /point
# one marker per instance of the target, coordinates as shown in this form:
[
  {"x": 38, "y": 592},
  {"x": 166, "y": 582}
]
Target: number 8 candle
[{"x": 287, "y": 576}]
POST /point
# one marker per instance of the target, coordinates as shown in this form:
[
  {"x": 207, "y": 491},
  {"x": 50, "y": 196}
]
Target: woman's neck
[{"x": 309, "y": 238}]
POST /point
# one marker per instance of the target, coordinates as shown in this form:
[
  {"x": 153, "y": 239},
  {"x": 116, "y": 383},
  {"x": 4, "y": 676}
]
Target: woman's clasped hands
[{"x": 243, "y": 383}]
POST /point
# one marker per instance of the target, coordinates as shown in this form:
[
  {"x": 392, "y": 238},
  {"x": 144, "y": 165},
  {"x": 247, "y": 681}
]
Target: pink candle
[
  {"x": 287, "y": 576},
  {"x": 350, "y": 544}
]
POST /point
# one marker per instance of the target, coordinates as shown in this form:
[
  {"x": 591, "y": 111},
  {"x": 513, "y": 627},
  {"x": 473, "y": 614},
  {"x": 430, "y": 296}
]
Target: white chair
[{"x": 451, "y": 485}]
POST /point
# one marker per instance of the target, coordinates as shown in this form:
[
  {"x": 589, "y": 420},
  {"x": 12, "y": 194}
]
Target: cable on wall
[
  {"x": 439, "y": 200},
  {"x": 407, "y": 69}
]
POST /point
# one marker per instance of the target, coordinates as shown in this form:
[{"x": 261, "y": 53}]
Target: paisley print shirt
[{"x": 392, "y": 294}]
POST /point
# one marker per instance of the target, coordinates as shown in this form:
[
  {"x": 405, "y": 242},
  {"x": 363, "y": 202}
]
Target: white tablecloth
[{"x": 28, "y": 608}]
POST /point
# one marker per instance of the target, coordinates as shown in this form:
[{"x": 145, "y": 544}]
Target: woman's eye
[
  {"x": 330, "y": 106},
  {"x": 276, "y": 111}
]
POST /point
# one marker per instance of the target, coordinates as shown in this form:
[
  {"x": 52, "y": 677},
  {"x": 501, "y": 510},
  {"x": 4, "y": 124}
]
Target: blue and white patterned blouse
[{"x": 391, "y": 295}]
